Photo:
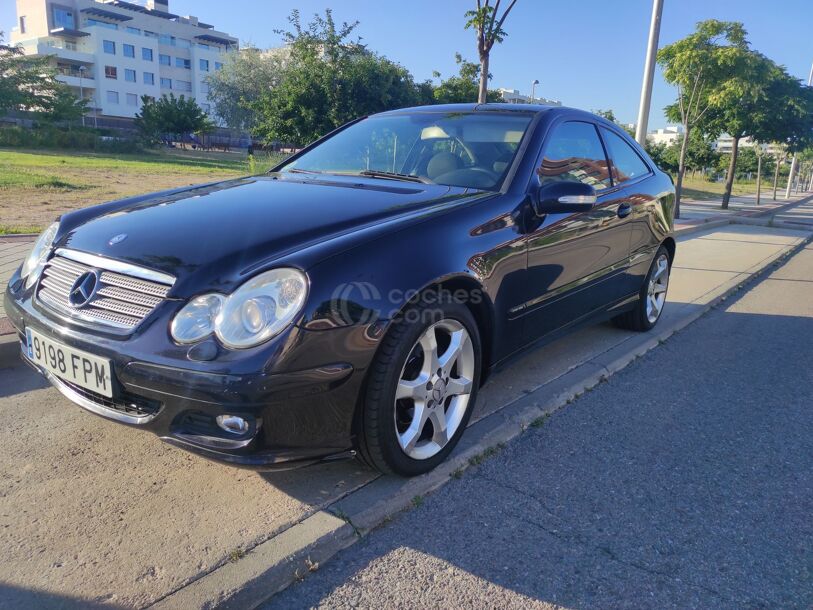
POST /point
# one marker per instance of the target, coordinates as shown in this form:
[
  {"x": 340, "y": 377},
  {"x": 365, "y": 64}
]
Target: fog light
[{"x": 232, "y": 424}]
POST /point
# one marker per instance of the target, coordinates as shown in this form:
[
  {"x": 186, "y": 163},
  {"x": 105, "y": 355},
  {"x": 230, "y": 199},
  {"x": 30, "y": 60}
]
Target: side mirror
[{"x": 564, "y": 197}]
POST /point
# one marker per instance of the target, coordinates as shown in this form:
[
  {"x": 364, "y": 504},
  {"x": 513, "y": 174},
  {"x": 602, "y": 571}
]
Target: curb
[{"x": 280, "y": 561}]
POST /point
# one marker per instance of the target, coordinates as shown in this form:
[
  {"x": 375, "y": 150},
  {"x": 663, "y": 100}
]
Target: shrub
[{"x": 51, "y": 137}]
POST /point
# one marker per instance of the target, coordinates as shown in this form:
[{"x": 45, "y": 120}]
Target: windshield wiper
[{"x": 374, "y": 173}]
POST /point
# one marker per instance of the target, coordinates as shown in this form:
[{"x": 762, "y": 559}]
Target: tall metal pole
[
  {"x": 649, "y": 72},
  {"x": 794, "y": 161},
  {"x": 533, "y": 91}
]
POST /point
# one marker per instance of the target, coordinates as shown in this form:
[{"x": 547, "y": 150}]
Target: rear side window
[
  {"x": 627, "y": 164},
  {"x": 573, "y": 153}
]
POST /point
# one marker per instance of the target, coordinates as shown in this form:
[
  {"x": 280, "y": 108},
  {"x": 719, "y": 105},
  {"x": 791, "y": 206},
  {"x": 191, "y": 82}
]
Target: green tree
[
  {"x": 697, "y": 65},
  {"x": 170, "y": 115},
  {"x": 62, "y": 106},
  {"x": 26, "y": 83},
  {"x": 462, "y": 88},
  {"x": 739, "y": 105},
  {"x": 487, "y": 23},
  {"x": 329, "y": 79},
  {"x": 235, "y": 88}
]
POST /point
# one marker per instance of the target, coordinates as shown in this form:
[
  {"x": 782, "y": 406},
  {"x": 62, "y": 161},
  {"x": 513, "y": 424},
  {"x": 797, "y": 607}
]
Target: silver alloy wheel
[
  {"x": 434, "y": 389},
  {"x": 656, "y": 289}
]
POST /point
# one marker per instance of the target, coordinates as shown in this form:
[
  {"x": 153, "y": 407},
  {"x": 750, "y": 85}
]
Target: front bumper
[{"x": 299, "y": 415}]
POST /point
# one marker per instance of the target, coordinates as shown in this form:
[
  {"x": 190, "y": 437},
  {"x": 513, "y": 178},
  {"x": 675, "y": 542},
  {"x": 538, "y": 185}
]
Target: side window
[
  {"x": 573, "y": 153},
  {"x": 627, "y": 164}
]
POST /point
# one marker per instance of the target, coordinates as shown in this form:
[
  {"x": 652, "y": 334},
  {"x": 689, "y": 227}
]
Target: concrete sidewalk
[{"x": 91, "y": 510}]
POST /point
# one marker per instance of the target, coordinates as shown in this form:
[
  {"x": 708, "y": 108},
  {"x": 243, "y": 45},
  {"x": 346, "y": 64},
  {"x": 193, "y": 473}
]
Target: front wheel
[
  {"x": 651, "y": 299},
  {"x": 421, "y": 390}
]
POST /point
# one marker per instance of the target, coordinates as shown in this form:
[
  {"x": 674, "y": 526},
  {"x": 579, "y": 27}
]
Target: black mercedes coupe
[{"x": 354, "y": 299}]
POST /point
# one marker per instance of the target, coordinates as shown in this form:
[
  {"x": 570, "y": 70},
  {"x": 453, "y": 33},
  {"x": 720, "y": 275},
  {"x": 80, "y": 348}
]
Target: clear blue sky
[{"x": 587, "y": 53}]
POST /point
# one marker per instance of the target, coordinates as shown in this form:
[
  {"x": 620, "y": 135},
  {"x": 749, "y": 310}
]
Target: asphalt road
[{"x": 684, "y": 481}]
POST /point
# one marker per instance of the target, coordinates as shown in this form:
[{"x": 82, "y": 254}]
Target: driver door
[{"x": 576, "y": 261}]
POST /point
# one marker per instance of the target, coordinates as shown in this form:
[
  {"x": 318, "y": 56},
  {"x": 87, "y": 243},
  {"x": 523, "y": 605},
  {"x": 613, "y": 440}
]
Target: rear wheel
[
  {"x": 651, "y": 299},
  {"x": 421, "y": 390}
]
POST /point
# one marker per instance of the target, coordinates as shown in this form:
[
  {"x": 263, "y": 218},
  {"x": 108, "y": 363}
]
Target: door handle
[{"x": 624, "y": 210}]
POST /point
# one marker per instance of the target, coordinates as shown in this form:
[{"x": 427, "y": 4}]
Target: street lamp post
[
  {"x": 649, "y": 72},
  {"x": 82, "y": 91},
  {"x": 533, "y": 90},
  {"x": 794, "y": 160}
]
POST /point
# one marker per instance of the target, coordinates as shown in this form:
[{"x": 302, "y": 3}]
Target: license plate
[{"x": 85, "y": 370}]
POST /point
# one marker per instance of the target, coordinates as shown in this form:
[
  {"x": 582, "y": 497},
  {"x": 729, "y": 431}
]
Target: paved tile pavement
[{"x": 12, "y": 252}]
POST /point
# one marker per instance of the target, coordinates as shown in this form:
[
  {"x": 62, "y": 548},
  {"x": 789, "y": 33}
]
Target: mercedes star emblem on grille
[{"x": 83, "y": 289}]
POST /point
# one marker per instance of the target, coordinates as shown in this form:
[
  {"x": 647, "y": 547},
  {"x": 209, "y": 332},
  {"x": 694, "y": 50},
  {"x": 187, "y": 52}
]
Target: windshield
[{"x": 472, "y": 150}]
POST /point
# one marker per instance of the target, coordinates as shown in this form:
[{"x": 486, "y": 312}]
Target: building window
[
  {"x": 148, "y": 34},
  {"x": 109, "y": 47},
  {"x": 63, "y": 18},
  {"x": 129, "y": 75},
  {"x": 204, "y": 65},
  {"x": 183, "y": 43},
  {"x": 180, "y": 62},
  {"x": 166, "y": 39},
  {"x": 22, "y": 24},
  {"x": 204, "y": 87},
  {"x": 218, "y": 65},
  {"x": 149, "y": 78},
  {"x": 164, "y": 60},
  {"x": 111, "y": 72},
  {"x": 166, "y": 83},
  {"x": 133, "y": 30},
  {"x": 183, "y": 85},
  {"x": 112, "y": 97},
  {"x": 132, "y": 99},
  {"x": 128, "y": 50},
  {"x": 146, "y": 54}
]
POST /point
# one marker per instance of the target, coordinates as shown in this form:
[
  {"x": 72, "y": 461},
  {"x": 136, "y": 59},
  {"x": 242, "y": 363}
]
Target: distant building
[
  {"x": 667, "y": 135},
  {"x": 513, "y": 96},
  {"x": 725, "y": 143},
  {"x": 112, "y": 52}
]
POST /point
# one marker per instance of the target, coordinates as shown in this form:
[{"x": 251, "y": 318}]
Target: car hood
[{"x": 213, "y": 236}]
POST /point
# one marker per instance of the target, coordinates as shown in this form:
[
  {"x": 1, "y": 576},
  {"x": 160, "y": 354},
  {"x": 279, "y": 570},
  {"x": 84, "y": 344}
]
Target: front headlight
[
  {"x": 35, "y": 262},
  {"x": 257, "y": 311}
]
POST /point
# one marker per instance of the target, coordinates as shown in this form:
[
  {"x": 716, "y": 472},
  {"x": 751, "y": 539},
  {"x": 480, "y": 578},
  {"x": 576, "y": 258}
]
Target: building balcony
[
  {"x": 73, "y": 80},
  {"x": 62, "y": 49}
]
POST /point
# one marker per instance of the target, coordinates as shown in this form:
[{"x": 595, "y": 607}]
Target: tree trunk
[
  {"x": 684, "y": 147},
  {"x": 776, "y": 176},
  {"x": 483, "y": 95},
  {"x": 759, "y": 177},
  {"x": 732, "y": 166}
]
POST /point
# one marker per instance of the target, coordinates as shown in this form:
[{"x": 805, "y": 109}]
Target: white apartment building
[
  {"x": 725, "y": 144},
  {"x": 112, "y": 52},
  {"x": 666, "y": 135},
  {"x": 513, "y": 96}
]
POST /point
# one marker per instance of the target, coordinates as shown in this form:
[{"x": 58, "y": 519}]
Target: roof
[
  {"x": 491, "y": 107},
  {"x": 99, "y": 12},
  {"x": 216, "y": 39}
]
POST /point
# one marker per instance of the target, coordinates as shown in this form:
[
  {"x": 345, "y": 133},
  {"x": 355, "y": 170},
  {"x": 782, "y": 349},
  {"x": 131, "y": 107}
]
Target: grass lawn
[
  {"x": 700, "y": 189},
  {"x": 38, "y": 186}
]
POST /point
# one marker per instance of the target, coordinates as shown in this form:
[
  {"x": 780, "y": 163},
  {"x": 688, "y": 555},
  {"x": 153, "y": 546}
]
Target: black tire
[
  {"x": 636, "y": 319},
  {"x": 378, "y": 440}
]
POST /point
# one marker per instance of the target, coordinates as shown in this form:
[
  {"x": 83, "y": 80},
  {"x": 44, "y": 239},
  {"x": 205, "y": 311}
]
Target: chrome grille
[{"x": 123, "y": 296}]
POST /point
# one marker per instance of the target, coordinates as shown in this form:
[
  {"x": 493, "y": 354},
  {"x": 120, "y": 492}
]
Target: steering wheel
[{"x": 475, "y": 177}]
